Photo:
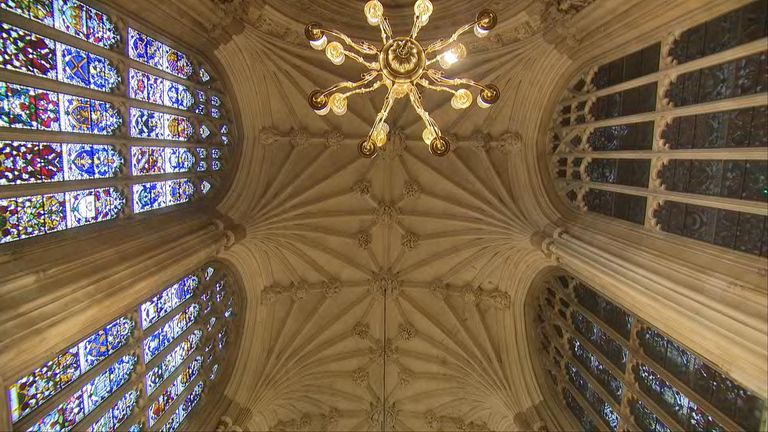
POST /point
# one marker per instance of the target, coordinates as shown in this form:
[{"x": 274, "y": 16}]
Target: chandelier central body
[{"x": 402, "y": 65}]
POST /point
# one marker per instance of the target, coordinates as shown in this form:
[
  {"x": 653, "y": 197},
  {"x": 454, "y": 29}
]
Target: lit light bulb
[
  {"x": 323, "y": 111},
  {"x": 461, "y": 99},
  {"x": 481, "y": 103},
  {"x": 480, "y": 32},
  {"x": 457, "y": 53},
  {"x": 320, "y": 43},
  {"x": 338, "y": 103},
  {"x": 374, "y": 11},
  {"x": 428, "y": 135},
  {"x": 335, "y": 52},
  {"x": 423, "y": 9},
  {"x": 380, "y": 134}
]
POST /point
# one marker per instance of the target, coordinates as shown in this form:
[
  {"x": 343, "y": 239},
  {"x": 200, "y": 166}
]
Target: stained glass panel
[
  {"x": 162, "y": 371},
  {"x": 65, "y": 416},
  {"x": 746, "y": 127},
  {"x": 150, "y": 88},
  {"x": 204, "y": 76},
  {"x": 93, "y": 205},
  {"x": 33, "y": 162},
  {"x": 205, "y": 187},
  {"x": 162, "y": 337},
  {"x": 604, "y": 343},
  {"x": 149, "y": 51},
  {"x": 619, "y": 205},
  {"x": 157, "y": 125},
  {"x": 215, "y": 101},
  {"x": 166, "y": 398},
  {"x": 215, "y": 113},
  {"x": 181, "y": 413},
  {"x": 161, "y": 160},
  {"x": 154, "y": 195},
  {"x": 204, "y": 132},
  {"x": 116, "y": 415},
  {"x": 160, "y": 305}
]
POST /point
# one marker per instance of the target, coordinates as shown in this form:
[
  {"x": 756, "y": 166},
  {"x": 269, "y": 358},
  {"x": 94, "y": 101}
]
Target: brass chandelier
[{"x": 401, "y": 65}]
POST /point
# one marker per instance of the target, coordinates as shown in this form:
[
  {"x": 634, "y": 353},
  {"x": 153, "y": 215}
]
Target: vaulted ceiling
[{"x": 386, "y": 293}]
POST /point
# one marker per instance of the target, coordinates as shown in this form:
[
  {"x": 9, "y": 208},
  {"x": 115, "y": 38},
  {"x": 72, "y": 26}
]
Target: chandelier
[{"x": 403, "y": 66}]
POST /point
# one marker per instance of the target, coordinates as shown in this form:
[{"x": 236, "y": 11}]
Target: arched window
[
  {"x": 673, "y": 137},
  {"x": 102, "y": 126},
  {"x": 161, "y": 355},
  {"x": 612, "y": 370}
]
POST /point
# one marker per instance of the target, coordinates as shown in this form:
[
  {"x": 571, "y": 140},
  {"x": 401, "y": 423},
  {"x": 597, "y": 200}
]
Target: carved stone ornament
[
  {"x": 362, "y": 188},
  {"x": 383, "y": 351},
  {"x": 411, "y": 190},
  {"x": 386, "y": 213},
  {"x": 406, "y": 332},
  {"x": 360, "y": 377},
  {"x": 299, "y": 138},
  {"x": 384, "y": 284},
  {"x": 364, "y": 239},
  {"x": 410, "y": 241},
  {"x": 333, "y": 139},
  {"x": 509, "y": 142},
  {"x": 439, "y": 289},
  {"x": 299, "y": 291},
  {"x": 331, "y": 288},
  {"x": 269, "y": 136},
  {"x": 361, "y": 330}
]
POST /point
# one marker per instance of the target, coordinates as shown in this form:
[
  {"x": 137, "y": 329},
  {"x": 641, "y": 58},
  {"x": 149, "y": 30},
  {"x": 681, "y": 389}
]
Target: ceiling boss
[{"x": 402, "y": 65}]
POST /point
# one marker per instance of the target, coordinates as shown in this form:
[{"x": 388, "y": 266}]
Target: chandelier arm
[
  {"x": 437, "y": 78},
  {"x": 417, "y": 105},
  {"x": 362, "y": 90},
  {"x": 362, "y": 47},
  {"x": 370, "y": 65},
  {"x": 426, "y": 84},
  {"x": 389, "y": 101},
  {"x": 386, "y": 30},
  {"x": 417, "y": 26},
  {"x": 442, "y": 43},
  {"x": 367, "y": 77}
]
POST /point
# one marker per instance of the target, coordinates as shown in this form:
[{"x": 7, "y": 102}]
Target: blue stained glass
[
  {"x": 222, "y": 337},
  {"x": 177, "y": 95},
  {"x": 211, "y": 323},
  {"x": 84, "y": 69},
  {"x": 204, "y": 131},
  {"x": 200, "y": 110},
  {"x": 215, "y": 153},
  {"x": 202, "y": 152},
  {"x": 29, "y": 108},
  {"x": 116, "y": 415},
  {"x": 30, "y": 216},
  {"x": 150, "y": 88},
  {"x": 84, "y": 22},
  {"x": 158, "y": 125},
  {"x": 204, "y": 76},
  {"x": 202, "y": 165},
  {"x": 215, "y": 113},
  {"x": 201, "y": 96},
  {"x": 65, "y": 416},
  {"x": 84, "y": 161},
  {"x": 225, "y": 139},
  {"x": 93, "y": 205},
  {"x": 160, "y": 305},
  {"x": 27, "y": 52},
  {"x": 181, "y": 412},
  {"x": 205, "y": 187},
  {"x": 158, "y": 55},
  {"x": 148, "y": 196},
  {"x": 135, "y": 428},
  {"x": 169, "y": 396},
  {"x": 228, "y": 313},
  {"x": 208, "y": 273},
  {"x": 215, "y": 101},
  {"x": 215, "y": 165},
  {"x": 224, "y": 129},
  {"x": 162, "y": 337},
  {"x": 161, "y": 372}
]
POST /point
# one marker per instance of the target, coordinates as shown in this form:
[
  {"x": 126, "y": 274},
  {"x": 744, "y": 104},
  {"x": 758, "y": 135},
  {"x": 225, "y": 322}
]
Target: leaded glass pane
[
  {"x": 629, "y": 172},
  {"x": 159, "y": 373},
  {"x": 151, "y": 52},
  {"x": 189, "y": 402},
  {"x": 619, "y": 205},
  {"x": 746, "y": 127},
  {"x": 740, "y": 77},
  {"x": 628, "y": 102},
  {"x": 739, "y": 179},
  {"x": 629, "y": 67},
  {"x": 150, "y": 88},
  {"x": 600, "y": 340},
  {"x": 116, "y": 415},
  {"x": 160, "y": 305},
  {"x": 157, "y": 125},
  {"x": 169, "y": 396},
  {"x": 163, "y": 336},
  {"x": 154, "y": 195},
  {"x": 161, "y": 160}
]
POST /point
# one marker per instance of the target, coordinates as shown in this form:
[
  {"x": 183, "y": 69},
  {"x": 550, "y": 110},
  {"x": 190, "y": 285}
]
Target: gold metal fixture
[{"x": 400, "y": 65}]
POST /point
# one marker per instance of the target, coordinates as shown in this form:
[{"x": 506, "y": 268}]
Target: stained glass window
[
  {"x": 204, "y": 132},
  {"x": 169, "y": 396},
  {"x": 159, "y": 373},
  {"x": 664, "y": 379},
  {"x": 30, "y": 216},
  {"x": 65, "y": 416},
  {"x": 159, "y": 306},
  {"x": 151, "y": 52},
  {"x": 163, "y": 336},
  {"x": 161, "y": 160},
  {"x": 154, "y": 195},
  {"x": 636, "y": 132},
  {"x": 69, "y": 16},
  {"x": 36, "y": 162},
  {"x": 31, "y": 108},
  {"x": 181, "y": 413},
  {"x": 153, "y": 89},
  {"x": 204, "y": 76},
  {"x": 158, "y": 125},
  {"x": 28, "y": 52},
  {"x": 116, "y": 415},
  {"x": 205, "y": 187}
]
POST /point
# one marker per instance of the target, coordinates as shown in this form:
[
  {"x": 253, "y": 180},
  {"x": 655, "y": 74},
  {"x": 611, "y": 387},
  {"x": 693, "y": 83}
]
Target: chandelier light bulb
[
  {"x": 428, "y": 135},
  {"x": 423, "y": 9},
  {"x": 461, "y": 99},
  {"x": 374, "y": 11},
  {"x": 335, "y": 53},
  {"x": 457, "y": 53},
  {"x": 338, "y": 103},
  {"x": 380, "y": 135},
  {"x": 404, "y": 67},
  {"x": 320, "y": 43}
]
